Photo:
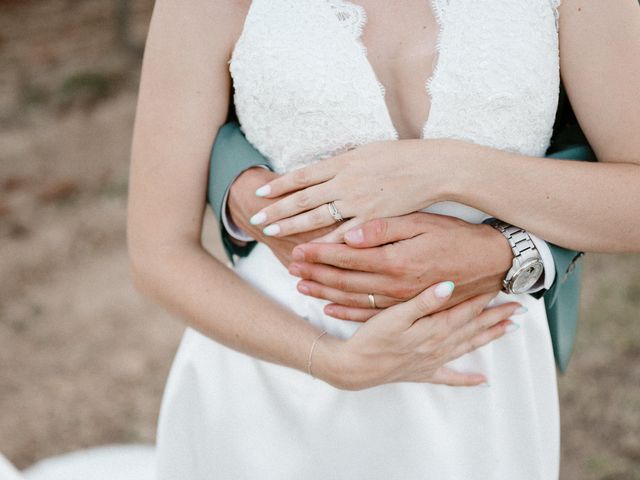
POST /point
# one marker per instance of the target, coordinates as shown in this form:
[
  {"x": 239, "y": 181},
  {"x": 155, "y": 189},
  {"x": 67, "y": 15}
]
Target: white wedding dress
[{"x": 305, "y": 90}]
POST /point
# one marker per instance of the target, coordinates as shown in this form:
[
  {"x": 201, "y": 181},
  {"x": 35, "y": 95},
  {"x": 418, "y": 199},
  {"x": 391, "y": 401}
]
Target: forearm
[
  {"x": 215, "y": 301},
  {"x": 578, "y": 205}
]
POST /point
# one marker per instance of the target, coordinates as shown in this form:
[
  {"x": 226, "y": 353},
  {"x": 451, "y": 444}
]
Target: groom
[{"x": 396, "y": 258}]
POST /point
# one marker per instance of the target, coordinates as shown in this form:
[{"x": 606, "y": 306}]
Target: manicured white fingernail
[
  {"x": 444, "y": 289},
  {"x": 512, "y": 327},
  {"x": 520, "y": 310},
  {"x": 273, "y": 229},
  {"x": 263, "y": 191},
  {"x": 258, "y": 218}
]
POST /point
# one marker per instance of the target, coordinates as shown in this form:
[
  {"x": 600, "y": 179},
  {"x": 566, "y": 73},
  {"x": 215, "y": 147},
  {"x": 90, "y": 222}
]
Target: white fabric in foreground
[
  {"x": 8, "y": 471},
  {"x": 113, "y": 462}
]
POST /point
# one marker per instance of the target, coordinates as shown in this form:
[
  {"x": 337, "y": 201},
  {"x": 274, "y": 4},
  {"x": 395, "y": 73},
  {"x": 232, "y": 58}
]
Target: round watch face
[{"x": 526, "y": 276}]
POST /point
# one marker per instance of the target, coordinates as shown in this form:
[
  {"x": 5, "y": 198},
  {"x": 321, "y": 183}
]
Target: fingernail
[
  {"x": 297, "y": 254},
  {"x": 272, "y": 229},
  {"x": 263, "y": 191},
  {"x": 512, "y": 327},
  {"x": 302, "y": 288},
  {"x": 355, "y": 236},
  {"x": 329, "y": 310},
  {"x": 520, "y": 310},
  {"x": 294, "y": 270},
  {"x": 444, "y": 289},
  {"x": 258, "y": 218},
  {"x": 485, "y": 385}
]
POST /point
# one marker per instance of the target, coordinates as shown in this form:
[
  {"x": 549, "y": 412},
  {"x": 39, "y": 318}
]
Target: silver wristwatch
[{"x": 527, "y": 267}]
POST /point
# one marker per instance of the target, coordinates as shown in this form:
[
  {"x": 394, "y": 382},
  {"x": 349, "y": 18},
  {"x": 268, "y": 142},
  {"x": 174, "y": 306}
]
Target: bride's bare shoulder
[{"x": 217, "y": 20}]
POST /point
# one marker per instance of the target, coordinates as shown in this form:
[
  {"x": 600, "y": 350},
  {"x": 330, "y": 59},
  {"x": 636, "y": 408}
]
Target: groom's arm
[{"x": 231, "y": 155}]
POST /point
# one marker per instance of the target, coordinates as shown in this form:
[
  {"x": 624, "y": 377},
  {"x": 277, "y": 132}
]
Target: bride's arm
[
  {"x": 582, "y": 205},
  {"x": 579, "y": 205},
  {"x": 183, "y": 100},
  {"x": 184, "y": 91}
]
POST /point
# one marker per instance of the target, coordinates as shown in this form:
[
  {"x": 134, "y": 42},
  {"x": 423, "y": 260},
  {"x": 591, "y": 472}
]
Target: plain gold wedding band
[{"x": 372, "y": 300}]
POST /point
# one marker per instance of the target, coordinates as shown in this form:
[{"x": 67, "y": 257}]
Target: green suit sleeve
[{"x": 230, "y": 156}]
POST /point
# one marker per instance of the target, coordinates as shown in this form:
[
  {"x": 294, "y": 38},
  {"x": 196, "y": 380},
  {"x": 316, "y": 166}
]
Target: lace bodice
[{"x": 305, "y": 90}]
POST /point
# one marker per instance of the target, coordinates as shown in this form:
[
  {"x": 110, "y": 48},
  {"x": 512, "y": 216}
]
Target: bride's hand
[
  {"x": 376, "y": 180},
  {"x": 242, "y": 203},
  {"x": 407, "y": 343}
]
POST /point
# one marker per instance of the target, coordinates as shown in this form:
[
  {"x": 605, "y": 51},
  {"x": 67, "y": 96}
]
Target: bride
[{"x": 265, "y": 384}]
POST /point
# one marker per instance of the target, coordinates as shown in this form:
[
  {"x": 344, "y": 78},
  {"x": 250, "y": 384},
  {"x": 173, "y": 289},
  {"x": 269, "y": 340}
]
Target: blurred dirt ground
[{"x": 83, "y": 359}]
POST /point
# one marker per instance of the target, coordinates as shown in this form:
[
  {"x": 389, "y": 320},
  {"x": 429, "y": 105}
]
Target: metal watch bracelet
[{"x": 527, "y": 264}]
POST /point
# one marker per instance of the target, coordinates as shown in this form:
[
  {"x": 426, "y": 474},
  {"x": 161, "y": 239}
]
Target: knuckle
[
  {"x": 317, "y": 219},
  {"x": 482, "y": 322},
  {"x": 348, "y": 314},
  {"x": 307, "y": 272},
  {"x": 437, "y": 270},
  {"x": 310, "y": 253},
  {"x": 476, "y": 309},
  {"x": 424, "y": 303},
  {"x": 347, "y": 300},
  {"x": 407, "y": 290},
  {"x": 398, "y": 265},
  {"x": 340, "y": 282},
  {"x": 450, "y": 318},
  {"x": 302, "y": 200},
  {"x": 388, "y": 256},
  {"x": 393, "y": 291},
  {"x": 299, "y": 177},
  {"x": 492, "y": 318},
  {"x": 397, "y": 290},
  {"x": 344, "y": 259},
  {"x": 379, "y": 226},
  {"x": 389, "y": 302},
  {"x": 314, "y": 291}
]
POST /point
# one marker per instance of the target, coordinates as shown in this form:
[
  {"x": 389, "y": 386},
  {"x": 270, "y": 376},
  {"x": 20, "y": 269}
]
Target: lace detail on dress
[
  {"x": 555, "y": 4},
  {"x": 354, "y": 18},
  {"x": 497, "y": 75},
  {"x": 304, "y": 88},
  {"x": 438, "y": 7}
]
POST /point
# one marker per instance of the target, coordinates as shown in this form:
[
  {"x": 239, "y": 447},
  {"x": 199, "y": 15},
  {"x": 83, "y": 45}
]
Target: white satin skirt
[{"x": 226, "y": 415}]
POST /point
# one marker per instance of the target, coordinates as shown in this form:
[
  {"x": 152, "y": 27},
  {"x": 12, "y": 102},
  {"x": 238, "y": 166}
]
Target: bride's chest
[{"x": 306, "y": 87}]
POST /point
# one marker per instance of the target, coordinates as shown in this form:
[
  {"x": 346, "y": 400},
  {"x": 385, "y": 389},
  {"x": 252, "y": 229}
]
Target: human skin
[
  {"x": 167, "y": 192},
  {"x": 395, "y": 260},
  {"x": 578, "y": 205}
]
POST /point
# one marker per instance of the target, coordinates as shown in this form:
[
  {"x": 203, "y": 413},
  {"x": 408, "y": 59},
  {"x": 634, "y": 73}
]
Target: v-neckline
[{"x": 427, "y": 81}]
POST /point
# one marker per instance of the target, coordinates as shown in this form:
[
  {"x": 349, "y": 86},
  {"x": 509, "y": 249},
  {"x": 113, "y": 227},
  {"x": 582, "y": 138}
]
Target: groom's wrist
[
  {"x": 242, "y": 201},
  {"x": 498, "y": 251}
]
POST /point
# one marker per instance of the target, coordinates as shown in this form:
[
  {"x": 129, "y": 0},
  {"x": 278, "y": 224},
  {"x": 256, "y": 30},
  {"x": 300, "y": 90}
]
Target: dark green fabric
[{"x": 232, "y": 154}]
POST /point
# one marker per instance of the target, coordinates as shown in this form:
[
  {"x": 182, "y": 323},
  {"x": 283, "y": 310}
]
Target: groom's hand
[
  {"x": 397, "y": 258},
  {"x": 243, "y": 202}
]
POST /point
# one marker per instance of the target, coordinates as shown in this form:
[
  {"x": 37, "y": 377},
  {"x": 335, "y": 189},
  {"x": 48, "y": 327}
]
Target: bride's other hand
[
  {"x": 379, "y": 179},
  {"x": 410, "y": 343},
  {"x": 242, "y": 203}
]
